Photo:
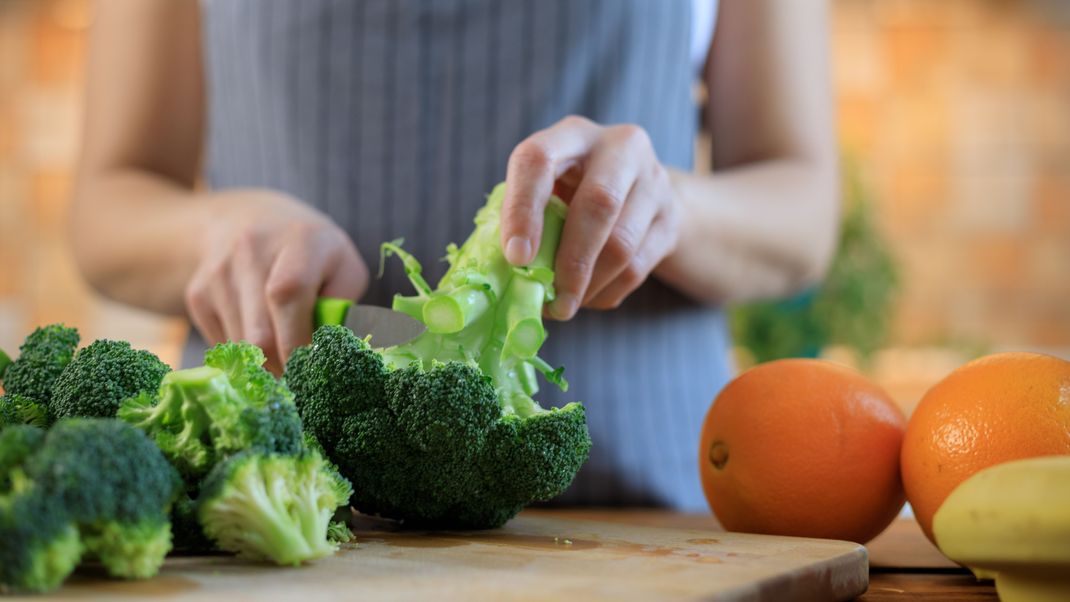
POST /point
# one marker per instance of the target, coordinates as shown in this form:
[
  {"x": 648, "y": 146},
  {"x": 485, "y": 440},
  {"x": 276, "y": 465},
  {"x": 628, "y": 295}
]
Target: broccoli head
[
  {"x": 101, "y": 376},
  {"x": 443, "y": 431},
  {"x": 42, "y": 357},
  {"x": 272, "y": 506},
  {"x": 18, "y": 409},
  {"x": 116, "y": 487}
]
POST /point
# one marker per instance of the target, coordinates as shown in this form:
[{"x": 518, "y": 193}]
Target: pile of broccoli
[
  {"x": 443, "y": 431},
  {"x": 88, "y": 487},
  {"x": 49, "y": 380},
  {"x": 107, "y": 453}
]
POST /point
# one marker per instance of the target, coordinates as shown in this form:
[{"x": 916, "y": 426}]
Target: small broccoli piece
[
  {"x": 17, "y": 443},
  {"x": 101, "y": 376},
  {"x": 42, "y": 357},
  {"x": 271, "y": 506},
  {"x": 443, "y": 431},
  {"x": 115, "y": 485},
  {"x": 243, "y": 364},
  {"x": 17, "y": 409},
  {"x": 338, "y": 532},
  {"x": 41, "y": 546},
  {"x": 198, "y": 417}
]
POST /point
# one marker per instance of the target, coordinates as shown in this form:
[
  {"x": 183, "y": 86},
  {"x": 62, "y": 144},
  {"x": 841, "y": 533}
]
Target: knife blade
[{"x": 386, "y": 326}]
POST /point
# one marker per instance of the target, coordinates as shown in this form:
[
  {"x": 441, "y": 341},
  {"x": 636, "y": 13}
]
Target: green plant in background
[{"x": 852, "y": 307}]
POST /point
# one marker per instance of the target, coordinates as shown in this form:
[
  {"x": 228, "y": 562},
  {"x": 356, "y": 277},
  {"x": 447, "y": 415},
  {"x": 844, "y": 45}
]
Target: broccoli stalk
[
  {"x": 485, "y": 310},
  {"x": 272, "y": 507},
  {"x": 443, "y": 431}
]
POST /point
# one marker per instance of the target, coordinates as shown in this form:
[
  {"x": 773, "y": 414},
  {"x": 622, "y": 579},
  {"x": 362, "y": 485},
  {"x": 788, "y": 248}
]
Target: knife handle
[{"x": 330, "y": 310}]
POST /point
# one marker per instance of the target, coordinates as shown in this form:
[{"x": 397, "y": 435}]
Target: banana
[{"x": 1012, "y": 521}]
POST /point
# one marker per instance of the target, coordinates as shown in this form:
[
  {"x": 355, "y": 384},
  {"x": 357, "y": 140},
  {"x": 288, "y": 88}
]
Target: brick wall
[{"x": 959, "y": 111}]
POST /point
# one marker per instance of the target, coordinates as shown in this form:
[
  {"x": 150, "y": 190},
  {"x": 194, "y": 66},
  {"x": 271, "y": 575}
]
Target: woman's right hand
[{"x": 265, "y": 259}]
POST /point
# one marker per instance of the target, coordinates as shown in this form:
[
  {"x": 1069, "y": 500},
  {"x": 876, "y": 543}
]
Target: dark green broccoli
[
  {"x": 17, "y": 443},
  {"x": 41, "y": 546},
  {"x": 101, "y": 376},
  {"x": 443, "y": 431},
  {"x": 272, "y": 506},
  {"x": 17, "y": 409},
  {"x": 115, "y": 485},
  {"x": 232, "y": 430},
  {"x": 42, "y": 357}
]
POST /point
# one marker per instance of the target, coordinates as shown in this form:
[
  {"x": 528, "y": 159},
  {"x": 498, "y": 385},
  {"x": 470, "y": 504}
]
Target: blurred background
[{"x": 954, "y": 122}]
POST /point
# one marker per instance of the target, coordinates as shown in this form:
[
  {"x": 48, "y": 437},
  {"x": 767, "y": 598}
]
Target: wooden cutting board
[{"x": 532, "y": 558}]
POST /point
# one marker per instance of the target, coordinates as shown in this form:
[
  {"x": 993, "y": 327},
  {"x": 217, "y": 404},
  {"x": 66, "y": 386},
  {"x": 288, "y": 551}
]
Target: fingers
[
  {"x": 533, "y": 166},
  {"x": 347, "y": 277},
  {"x": 250, "y": 273},
  {"x": 291, "y": 289},
  {"x": 201, "y": 309},
  {"x": 659, "y": 242},
  {"x": 610, "y": 173},
  {"x": 640, "y": 209}
]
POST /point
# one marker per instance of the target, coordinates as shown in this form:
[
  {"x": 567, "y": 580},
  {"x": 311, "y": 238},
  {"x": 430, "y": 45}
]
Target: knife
[{"x": 386, "y": 326}]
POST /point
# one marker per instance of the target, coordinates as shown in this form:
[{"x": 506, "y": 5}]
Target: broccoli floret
[
  {"x": 233, "y": 431},
  {"x": 198, "y": 416},
  {"x": 42, "y": 357},
  {"x": 443, "y": 431},
  {"x": 17, "y": 443},
  {"x": 18, "y": 409},
  {"x": 337, "y": 368},
  {"x": 115, "y": 485},
  {"x": 271, "y": 506},
  {"x": 41, "y": 546},
  {"x": 101, "y": 376}
]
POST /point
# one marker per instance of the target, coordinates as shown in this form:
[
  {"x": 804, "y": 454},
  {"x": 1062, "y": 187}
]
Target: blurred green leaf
[{"x": 852, "y": 307}]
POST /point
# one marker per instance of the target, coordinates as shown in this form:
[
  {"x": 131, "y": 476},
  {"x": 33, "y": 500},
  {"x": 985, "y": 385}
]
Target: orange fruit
[
  {"x": 998, "y": 408},
  {"x": 806, "y": 448}
]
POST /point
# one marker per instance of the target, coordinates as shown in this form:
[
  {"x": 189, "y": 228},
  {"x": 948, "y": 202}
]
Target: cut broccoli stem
[
  {"x": 413, "y": 269},
  {"x": 256, "y": 511},
  {"x": 410, "y": 306},
  {"x": 134, "y": 551},
  {"x": 551, "y": 374},
  {"x": 523, "y": 303},
  {"x": 451, "y": 312}
]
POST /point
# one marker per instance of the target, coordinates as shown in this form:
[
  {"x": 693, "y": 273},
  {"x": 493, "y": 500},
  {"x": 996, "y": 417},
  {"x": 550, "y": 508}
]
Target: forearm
[
  {"x": 760, "y": 230},
  {"x": 136, "y": 236}
]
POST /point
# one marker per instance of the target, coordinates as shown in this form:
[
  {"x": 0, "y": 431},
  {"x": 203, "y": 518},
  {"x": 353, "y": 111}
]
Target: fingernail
[
  {"x": 564, "y": 307},
  {"x": 517, "y": 250}
]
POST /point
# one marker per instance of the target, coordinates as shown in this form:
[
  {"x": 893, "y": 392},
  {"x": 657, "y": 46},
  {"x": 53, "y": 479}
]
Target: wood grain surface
[{"x": 534, "y": 557}]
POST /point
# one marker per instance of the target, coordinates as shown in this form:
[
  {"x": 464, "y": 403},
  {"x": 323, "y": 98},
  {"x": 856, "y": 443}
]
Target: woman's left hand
[{"x": 623, "y": 218}]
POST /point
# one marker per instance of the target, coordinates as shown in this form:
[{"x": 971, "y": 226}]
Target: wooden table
[{"x": 904, "y": 565}]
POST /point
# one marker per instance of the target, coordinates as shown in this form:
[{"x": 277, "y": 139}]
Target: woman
[{"x": 242, "y": 157}]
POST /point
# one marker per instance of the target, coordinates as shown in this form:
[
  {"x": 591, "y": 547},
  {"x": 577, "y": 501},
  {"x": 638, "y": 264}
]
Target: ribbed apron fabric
[{"x": 396, "y": 117}]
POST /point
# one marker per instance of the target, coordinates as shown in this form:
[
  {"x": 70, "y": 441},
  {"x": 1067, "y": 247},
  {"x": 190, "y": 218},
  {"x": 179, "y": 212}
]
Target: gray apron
[{"x": 396, "y": 117}]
